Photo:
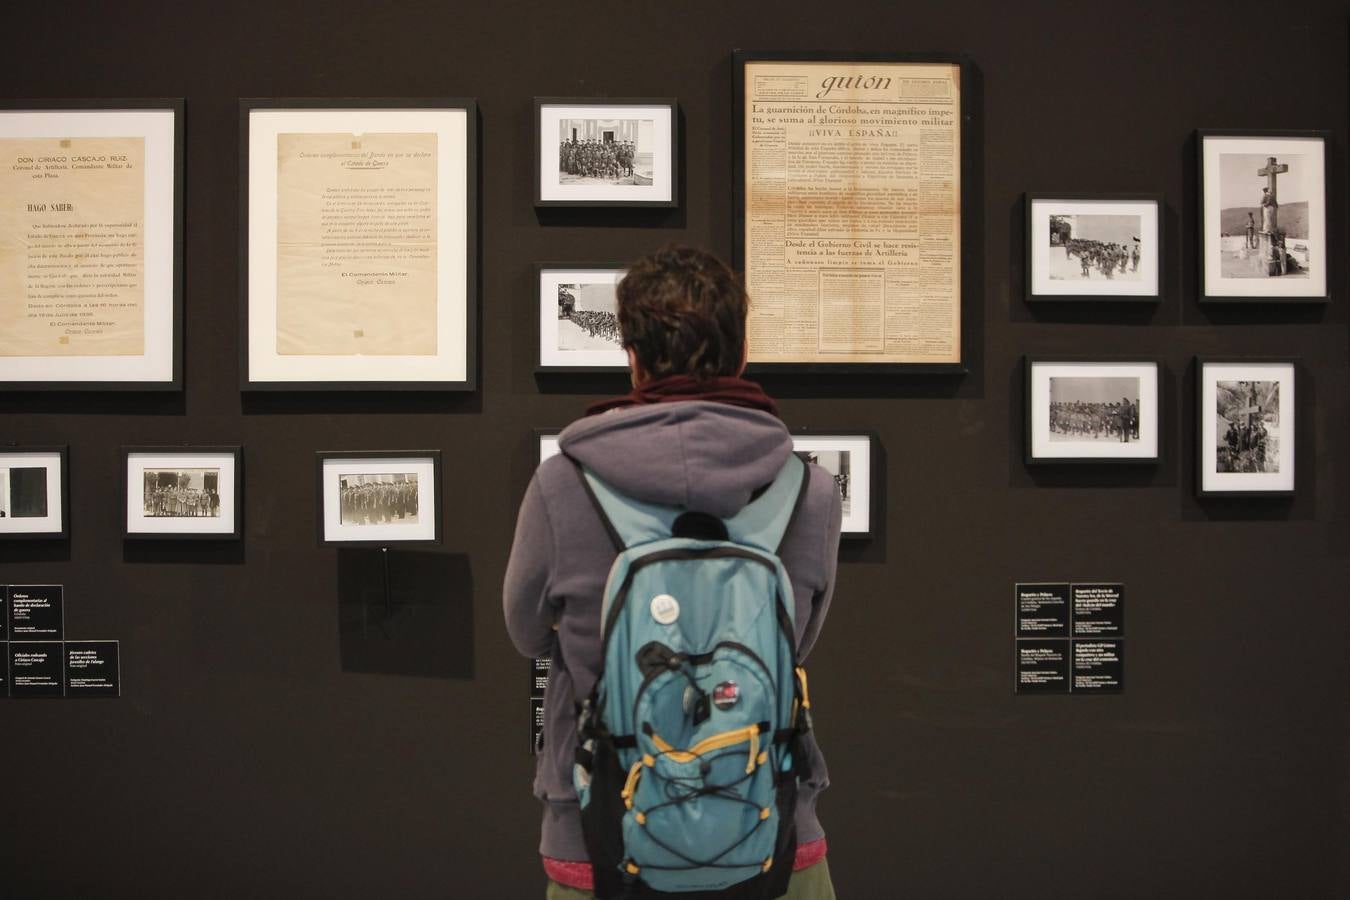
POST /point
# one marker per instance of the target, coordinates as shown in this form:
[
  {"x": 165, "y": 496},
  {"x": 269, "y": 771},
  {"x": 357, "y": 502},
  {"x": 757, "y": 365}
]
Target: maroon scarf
[{"x": 673, "y": 388}]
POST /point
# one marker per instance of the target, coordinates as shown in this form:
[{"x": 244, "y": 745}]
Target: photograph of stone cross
[{"x": 1263, "y": 216}]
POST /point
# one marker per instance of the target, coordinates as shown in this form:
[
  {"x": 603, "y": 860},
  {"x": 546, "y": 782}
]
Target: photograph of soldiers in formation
[
  {"x": 1247, "y": 423},
  {"x": 605, "y": 151},
  {"x": 1095, "y": 248},
  {"x": 181, "y": 493},
  {"x": 836, "y": 462},
  {"x": 588, "y": 316},
  {"x": 379, "y": 499},
  {"x": 1263, "y": 215},
  {"x": 1094, "y": 409},
  {"x": 23, "y": 492}
]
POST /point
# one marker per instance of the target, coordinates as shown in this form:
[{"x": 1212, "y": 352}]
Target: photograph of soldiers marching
[
  {"x": 605, "y": 151},
  {"x": 1247, "y": 419},
  {"x": 1095, "y": 247},
  {"x": 1263, "y": 216},
  {"x": 588, "y": 316},
  {"x": 1094, "y": 409},
  {"x": 836, "y": 463},
  {"x": 181, "y": 493},
  {"x": 379, "y": 499}
]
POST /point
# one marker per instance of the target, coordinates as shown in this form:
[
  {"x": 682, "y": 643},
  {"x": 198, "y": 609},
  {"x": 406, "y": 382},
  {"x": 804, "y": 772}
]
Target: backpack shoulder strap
[
  {"x": 765, "y": 520},
  {"x": 629, "y": 522}
]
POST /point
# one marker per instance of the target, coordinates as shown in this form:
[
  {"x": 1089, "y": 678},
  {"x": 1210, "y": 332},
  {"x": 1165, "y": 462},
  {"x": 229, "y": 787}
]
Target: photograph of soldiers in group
[
  {"x": 1095, "y": 247},
  {"x": 23, "y": 492},
  {"x": 1263, "y": 215},
  {"x": 588, "y": 316},
  {"x": 836, "y": 462},
  {"x": 1247, "y": 424},
  {"x": 605, "y": 151},
  {"x": 382, "y": 498},
  {"x": 181, "y": 493},
  {"x": 1094, "y": 409}
]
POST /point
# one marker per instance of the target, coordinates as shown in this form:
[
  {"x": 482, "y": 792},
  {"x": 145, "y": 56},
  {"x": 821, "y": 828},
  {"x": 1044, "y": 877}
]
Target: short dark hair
[{"x": 682, "y": 311}]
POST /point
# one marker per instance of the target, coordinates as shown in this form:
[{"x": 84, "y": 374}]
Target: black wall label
[
  {"x": 4, "y": 670},
  {"x": 93, "y": 669},
  {"x": 1098, "y": 666},
  {"x": 35, "y": 612},
  {"x": 35, "y": 669},
  {"x": 4, "y": 613},
  {"x": 539, "y": 670},
  {"x": 1042, "y": 610},
  {"x": 1068, "y": 638},
  {"x": 536, "y": 724},
  {"x": 540, "y": 666}
]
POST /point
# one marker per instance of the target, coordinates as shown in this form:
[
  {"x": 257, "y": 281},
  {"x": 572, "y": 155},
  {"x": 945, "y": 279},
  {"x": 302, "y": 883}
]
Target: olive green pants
[{"x": 811, "y": 883}]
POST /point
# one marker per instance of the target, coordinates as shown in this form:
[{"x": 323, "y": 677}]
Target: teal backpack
[{"x": 688, "y": 756}]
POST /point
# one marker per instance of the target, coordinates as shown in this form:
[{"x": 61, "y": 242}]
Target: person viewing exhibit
[{"x": 692, "y": 435}]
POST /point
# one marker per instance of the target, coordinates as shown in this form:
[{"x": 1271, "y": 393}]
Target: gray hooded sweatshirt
[{"x": 695, "y": 454}]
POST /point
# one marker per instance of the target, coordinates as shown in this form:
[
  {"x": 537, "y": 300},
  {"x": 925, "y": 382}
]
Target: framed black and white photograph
[
  {"x": 848, "y": 457},
  {"x": 1246, "y": 417},
  {"x": 1263, "y": 213},
  {"x": 34, "y": 495},
  {"x": 1092, "y": 411},
  {"x": 358, "y": 244},
  {"x": 601, "y": 152},
  {"x": 91, "y": 245},
  {"x": 183, "y": 492},
  {"x": 578, "y": 317},
  {"x": 378, "y": 498},
  {"x": 1094, "y": 247},
  {"x": 548, "y": 443}
]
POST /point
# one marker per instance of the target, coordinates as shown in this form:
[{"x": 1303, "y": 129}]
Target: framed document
[
  {"x": 359, "y": 244},
  {"x": 1246, "y": 418},
  {"x": 381, "y": 497},
  {"x": 851, "y": 210},
  {"x": 91, "y": 244},
  {"x": 34, "y": 492},
  {"x": 590, "y": 152},
  {"x": 578, "y": 318},
  {"x": 1092, "y": 411},
  {"x": 183, "y": 492},
  {"x": 1094, "y": 246},
  {"x": 1263, "y": 216}
]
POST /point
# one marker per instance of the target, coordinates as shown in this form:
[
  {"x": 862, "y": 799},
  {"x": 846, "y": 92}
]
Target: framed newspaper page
[
  {"x": 852, "y": 210},
  {"x": 358, "y": 244},
  {"x": 91, "y": 245}
]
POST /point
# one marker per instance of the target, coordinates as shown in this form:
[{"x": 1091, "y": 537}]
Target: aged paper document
[
  {"x": 853, "y": 211},
  {"x": 72, "y": 246},
  {"x": 356, "y": 244}
]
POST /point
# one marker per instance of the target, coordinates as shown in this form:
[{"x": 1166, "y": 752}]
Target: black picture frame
[
  {"x": 1029, "y": 363},
  {"x": 63, "y": 461},
  {"x": 875, "y": 507},
  {"x": 471, "y": 250},
  {"x": 971, "y": 178},
  {"x": 1202, "y": 418},
  {"x": 1033, "y": 197},
  {"x": 1202, "y": 237},
  {"x": 434, "y": 456},
  {"x": 671, "y": 103},
  {"x": 541, "y": 368},
  {"x": 185, "y": 450},
  {"x": 178, "y": 106}
]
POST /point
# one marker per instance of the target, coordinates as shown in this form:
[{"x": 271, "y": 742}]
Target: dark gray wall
[{"x": 257, "y": 753}]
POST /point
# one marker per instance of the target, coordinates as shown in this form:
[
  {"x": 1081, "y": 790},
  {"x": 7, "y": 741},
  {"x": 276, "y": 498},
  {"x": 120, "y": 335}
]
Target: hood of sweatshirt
[{"x": 696, "y": 454}]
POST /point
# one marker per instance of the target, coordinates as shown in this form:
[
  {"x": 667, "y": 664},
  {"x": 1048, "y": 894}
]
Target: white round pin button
[{"x": 665, "y": 609}]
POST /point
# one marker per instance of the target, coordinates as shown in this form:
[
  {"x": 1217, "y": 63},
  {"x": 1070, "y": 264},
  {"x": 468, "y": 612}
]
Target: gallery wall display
[
  {"x": 91, "y": 244},
  {"x": 183, "y": 492},
  {"x": 1092, "y": 411},
  {"x": 1093, "y": 246},
  {"x": 579, "y": 317},
  {"x": 1263, "y": 216},
  {"x": 606, "y": 152},
  {"x": 852, "y": 194},
  {"x": 34, "y": 492},
  {"x": 359, "y": 244},
  {"x": 1246, "y": 418},
  {"x": 848, "y": 456},
  {"x": 378, "y": 498}
]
